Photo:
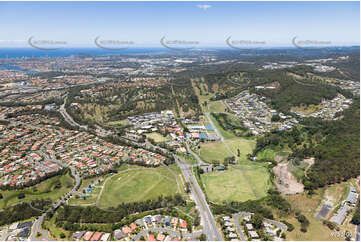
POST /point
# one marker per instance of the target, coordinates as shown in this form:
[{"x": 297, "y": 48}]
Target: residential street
[
  {"x": 37, "y": 224},
  {"x": 192, "y": 236},
  {"x": 238, "y": 227}
]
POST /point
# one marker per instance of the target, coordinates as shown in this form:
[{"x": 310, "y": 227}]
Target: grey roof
[
  {"x": 118, "y": 234},
  {"x": 340, "y": 215},
  {"x": 24, "y": 233},
  {"x": 352, "y": 198},
  {"x": 25, "y": 225},
  {"x": 353, "y": 189},
  {"x": 78, "y": 234}
]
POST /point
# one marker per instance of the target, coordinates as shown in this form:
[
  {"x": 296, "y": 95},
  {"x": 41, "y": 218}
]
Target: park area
[
  {"x": 140, "y": 184},
  {"x": 238, "y": 183},
  {"x": 52, "y": 188},
  {"x": 218, "y": 151},
  {"x": 214, "y": 151},
  {"x": 158, "y": 138}
]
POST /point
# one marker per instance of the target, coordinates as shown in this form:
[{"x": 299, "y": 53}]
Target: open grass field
[
  {"x": 245, "y": 146},
  {"x": 214, "y": 151},
  {"x": 316, "y": 231},
  {"x": 238, "y": 183},
  {"x": 43, "y": 190},
  {"x": 139, "y": 185},
  {"x": 158, "y": 138},
  {"x": 266, "y": 154},
  {"x": 307, "y": 109},
  {"x": 310, "y": 205},
  {"x": 216, "y": 107},
  {"x": 226, "y": 134},
  {"x": 121, "y": 123}
]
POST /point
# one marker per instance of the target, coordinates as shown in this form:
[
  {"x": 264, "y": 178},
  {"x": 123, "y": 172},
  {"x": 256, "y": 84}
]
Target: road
[
  {"x": 279, "y": 225},
  {"x": 238, "y": 227},
  {"x": 209, "y": 225},
  {"x": 37, "y": 224},
  {"x": 68, "y": 118},
  {"x": 192, "y": 236},
  {"x": 199, "y": 160},
  {"x": 219, "y": 134}
]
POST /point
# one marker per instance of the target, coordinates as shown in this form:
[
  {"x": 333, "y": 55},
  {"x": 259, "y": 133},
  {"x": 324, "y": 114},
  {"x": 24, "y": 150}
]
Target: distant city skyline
[{"x": 202, "y": 24}]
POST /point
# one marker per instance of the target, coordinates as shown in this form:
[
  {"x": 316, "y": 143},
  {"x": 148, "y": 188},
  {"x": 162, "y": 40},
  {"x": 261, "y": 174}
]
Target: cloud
[{"x": 204, "y": 6}]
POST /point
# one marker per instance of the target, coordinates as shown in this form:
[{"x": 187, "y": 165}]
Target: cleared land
[
  {"x": 238, "y": 183},
  {"x": 158, "y": 138},
  {"x": 52, "y": 188},
  {"x": 139, "y": 185}
]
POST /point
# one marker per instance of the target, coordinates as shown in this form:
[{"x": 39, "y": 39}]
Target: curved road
[
  {"x": 238, "y": 227},
  {"x": 68, "y": 118},
  {"x": 37, "y": 224}
]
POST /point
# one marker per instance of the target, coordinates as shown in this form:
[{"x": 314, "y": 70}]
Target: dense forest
[
  {"x": 22, "y": 211},
  {"x": 335, "y": 145},
  {"x": 338, "y": 155},
  {"x": 295, "y": 92}
]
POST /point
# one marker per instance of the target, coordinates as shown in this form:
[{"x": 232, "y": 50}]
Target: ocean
[{"x": 32, "y": 52}]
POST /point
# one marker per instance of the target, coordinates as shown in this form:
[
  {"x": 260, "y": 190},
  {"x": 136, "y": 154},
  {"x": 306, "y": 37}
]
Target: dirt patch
[
  {"x": 280, "y": 158},
  {"x": 310, "y": 162},
  {"x": 285, "y": 181}
]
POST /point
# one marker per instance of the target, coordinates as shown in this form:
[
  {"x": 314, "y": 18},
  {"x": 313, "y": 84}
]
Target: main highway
[{"x": 209, "y": 225}]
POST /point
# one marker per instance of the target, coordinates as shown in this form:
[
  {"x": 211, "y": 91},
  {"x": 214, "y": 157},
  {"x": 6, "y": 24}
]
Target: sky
[{"x": 207, "y": 23}]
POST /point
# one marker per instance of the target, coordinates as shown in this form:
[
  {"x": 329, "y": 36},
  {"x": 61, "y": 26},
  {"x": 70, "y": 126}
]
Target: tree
[
  {"x": 1, "y": 196},
  {"x": 275, "y": 118},
  {"x": 62, "y": 235},
  {"x": 202, "y": 237},
  {"x": 238, "y": 153},
  {"x": 257, "y": 220},
  {"x": 187, "y": 187}
]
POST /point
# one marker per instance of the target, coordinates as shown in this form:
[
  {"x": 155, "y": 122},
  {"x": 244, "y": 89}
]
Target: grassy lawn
[
  {"x": 216, "y": 107},
  {"x": 225, "y": 134},
  {"x": 316, "y": 231},
  {"x": 43, "y": 190},
  {"x": 214, "y": 151},
  {"x": 88, "y": 200},
  {"x": 245, "y": 146},
  {"x": 158, "y": 138},
  {"x": 266, "y": 154},
  {"x": 55, "y": 231},
  {"x": 238, "y": 183},
  {"x": 123, "y": 122},
  {"x": 138, "y": 185}
]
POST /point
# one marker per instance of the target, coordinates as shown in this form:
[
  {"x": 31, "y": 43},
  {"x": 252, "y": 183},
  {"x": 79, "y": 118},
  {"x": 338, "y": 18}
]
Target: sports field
[
  {"x": 245, "y": 146},
  {"x": 214, "y": 151},
  {"x": 238, "y": 183},
  {"x": 139, "y": 185},
  {"x": 216, "y": 107}
]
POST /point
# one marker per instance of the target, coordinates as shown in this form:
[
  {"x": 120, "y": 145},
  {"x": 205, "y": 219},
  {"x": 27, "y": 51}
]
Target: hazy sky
[{"x": 147, "y": 22}]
